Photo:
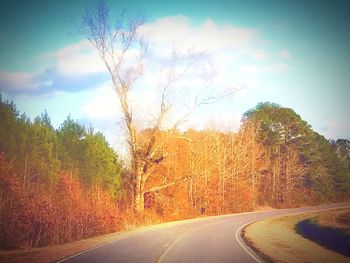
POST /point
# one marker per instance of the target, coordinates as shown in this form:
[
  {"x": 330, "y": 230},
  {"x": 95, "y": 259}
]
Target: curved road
[{"x": 211, "y": 239}]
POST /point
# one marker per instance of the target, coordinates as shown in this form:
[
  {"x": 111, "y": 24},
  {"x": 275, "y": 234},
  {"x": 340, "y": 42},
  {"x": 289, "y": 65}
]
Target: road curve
[{"x": 211, "y": 239}]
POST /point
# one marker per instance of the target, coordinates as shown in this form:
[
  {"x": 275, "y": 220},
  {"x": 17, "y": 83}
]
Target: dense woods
[
  {"x": 65, "y": 184},
  {"x": 56, "y": 186}
]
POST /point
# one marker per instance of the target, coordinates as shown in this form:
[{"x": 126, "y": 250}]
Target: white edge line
[{"x": 243, "y": 246}]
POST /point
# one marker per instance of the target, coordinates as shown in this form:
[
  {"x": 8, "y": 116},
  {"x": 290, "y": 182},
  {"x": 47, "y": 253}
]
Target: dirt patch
[{"x": 277, "y": 240}]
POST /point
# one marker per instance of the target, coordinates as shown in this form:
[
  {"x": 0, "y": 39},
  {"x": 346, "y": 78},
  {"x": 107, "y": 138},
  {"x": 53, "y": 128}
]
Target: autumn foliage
[
  {"x": 32, "y": 217},
  {"x": 57, "y": 186}
]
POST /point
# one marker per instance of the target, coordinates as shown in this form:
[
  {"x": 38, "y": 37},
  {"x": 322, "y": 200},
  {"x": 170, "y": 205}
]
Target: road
[{"x": 211, "y": 239}]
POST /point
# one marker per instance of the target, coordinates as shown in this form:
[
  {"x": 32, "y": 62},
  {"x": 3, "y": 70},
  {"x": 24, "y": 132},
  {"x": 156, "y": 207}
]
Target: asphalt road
[{"x": 211, "y": 239}]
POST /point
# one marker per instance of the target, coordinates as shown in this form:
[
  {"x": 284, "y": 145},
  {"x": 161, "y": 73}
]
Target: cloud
[
  {"x": 337, "y": 129},
  {"x": 47, "y": 81},
  {"x": 17, "y": 81},
  {"x": 23, "y": 82},
  {"x": 254, "y": 69},
  {"x": 250, "y": 69},
  {"x": 259, "y": 54},
  {"x": 78, "y": 66},
  {"x": 222, "y": 120},
  {"x": 72, "y": 68},
  {"x": 207, "y": 35},
  {"x": 277, "y": 67},
  {"x": 104, "y": 105},
  {"x": 77, "y": 59},
  {"x": 284, "y": 54}
]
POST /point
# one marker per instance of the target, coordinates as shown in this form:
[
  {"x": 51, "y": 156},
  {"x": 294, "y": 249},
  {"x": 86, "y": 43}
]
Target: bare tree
[{"x": 124, "y": 52}]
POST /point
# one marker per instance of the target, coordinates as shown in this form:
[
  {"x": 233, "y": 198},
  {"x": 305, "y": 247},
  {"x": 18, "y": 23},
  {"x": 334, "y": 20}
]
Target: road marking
[
  {"x": 172, "y": 244},
  {"x": 243, "y": 246},
  {"x": 167, "y": 244}
]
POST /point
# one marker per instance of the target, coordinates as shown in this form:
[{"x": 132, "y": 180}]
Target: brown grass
[
  {"x": 277, "y": 240},
  {"x": 336, "y": 219}
]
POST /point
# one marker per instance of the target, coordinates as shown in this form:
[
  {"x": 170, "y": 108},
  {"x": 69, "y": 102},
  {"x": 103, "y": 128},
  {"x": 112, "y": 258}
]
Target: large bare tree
[{"x": 123, "y": 49}]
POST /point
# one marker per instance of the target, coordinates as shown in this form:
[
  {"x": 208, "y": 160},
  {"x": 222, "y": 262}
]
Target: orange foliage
[
  {"x": 32, "y": 217},
  {"x": 213, "y": 173}
]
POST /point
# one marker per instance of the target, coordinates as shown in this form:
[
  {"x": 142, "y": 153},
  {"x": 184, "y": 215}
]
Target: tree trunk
[
  {"x": 139, "y": 199},
  {"x": 139, "y": 202}
]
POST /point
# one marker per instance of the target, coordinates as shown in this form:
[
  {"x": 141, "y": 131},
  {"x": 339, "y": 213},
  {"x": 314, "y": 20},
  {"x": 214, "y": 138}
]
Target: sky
[{"x": 294, "y": 53}]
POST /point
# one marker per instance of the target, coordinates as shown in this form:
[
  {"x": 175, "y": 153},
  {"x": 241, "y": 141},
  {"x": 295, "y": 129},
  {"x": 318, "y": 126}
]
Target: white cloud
[
  {"x": 337, "y": 129},
  {"x": 277, "y": 67},
  {"x": 18, "y": 80},
  {"x": 254, "y": 69},
  {"x": 82, "y": 58},
  {"x": 259, "y": 54},
  {"x": 208, "y": 35},
  {"x": 284, "y": 54},
  {"x": 104, "y": 105},
  {"x": 250, "y": 69},
  {"x": 214, "y": 118},
  {"x": 77, "y": 59}
]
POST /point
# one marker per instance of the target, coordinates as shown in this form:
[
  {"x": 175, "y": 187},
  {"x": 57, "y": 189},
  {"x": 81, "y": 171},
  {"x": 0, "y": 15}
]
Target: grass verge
[{"x": 277, "y": 241}]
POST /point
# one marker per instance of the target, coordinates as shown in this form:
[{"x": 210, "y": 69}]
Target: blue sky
[{"x": 294, "y": 53}]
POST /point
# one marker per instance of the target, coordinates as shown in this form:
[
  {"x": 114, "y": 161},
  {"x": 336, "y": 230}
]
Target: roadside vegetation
[
  {"x": 337, "y": 219},
  {"x": 277, "y": 239}
]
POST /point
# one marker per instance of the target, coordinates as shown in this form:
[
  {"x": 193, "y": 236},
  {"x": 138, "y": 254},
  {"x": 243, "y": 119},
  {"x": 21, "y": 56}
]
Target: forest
[{"x": 65, "y": 184}]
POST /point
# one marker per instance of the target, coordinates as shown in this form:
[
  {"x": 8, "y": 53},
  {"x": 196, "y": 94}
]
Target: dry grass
[
  {"x": 277, "y": 240},
  {"x": 263, "y": 208},
  {"x": 337, "y": 219}
]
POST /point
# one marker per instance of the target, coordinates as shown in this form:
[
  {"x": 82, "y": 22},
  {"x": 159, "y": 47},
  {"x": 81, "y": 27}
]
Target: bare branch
[
  {"x": 215, "y": 99},
  {"x": 157, "y": 188}
]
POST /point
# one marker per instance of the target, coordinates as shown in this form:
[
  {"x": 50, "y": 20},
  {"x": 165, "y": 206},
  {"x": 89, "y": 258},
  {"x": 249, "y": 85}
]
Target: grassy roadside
[{"x": 277, "y": 241}]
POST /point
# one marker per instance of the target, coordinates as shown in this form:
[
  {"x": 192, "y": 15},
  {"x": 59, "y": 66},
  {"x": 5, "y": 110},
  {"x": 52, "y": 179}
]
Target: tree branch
[{"x": 160, "y": 187}]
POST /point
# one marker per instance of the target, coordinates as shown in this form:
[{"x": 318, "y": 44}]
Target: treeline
[
  {"x": 56, "y": 186},
  {"x": 275, "y": 159},
  {"x": 65, "y": 184}
]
